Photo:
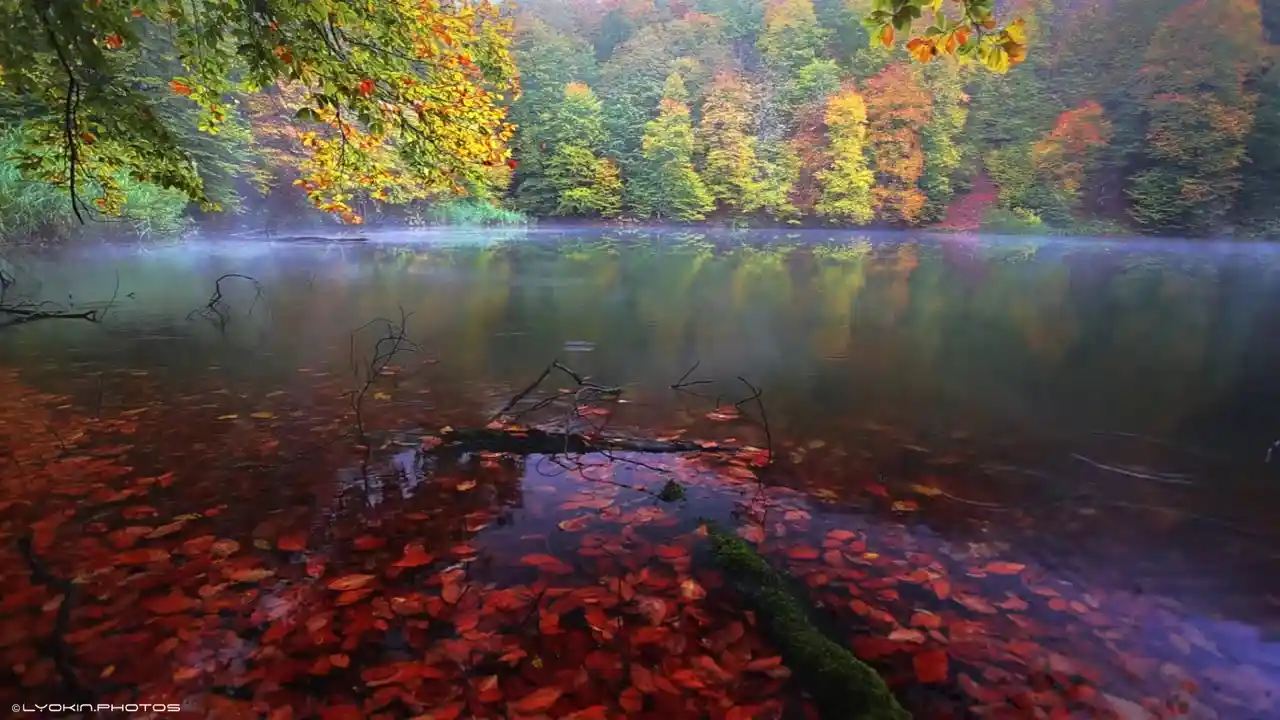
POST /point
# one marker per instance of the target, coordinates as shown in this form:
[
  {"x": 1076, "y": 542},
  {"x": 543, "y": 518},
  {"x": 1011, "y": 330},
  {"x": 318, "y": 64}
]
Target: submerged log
[
  {"x": 541, "y": 442},
  {"x": 841, "y": 685}
]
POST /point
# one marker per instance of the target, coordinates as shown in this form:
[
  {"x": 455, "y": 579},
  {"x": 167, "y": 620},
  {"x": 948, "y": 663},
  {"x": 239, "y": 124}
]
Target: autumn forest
[{"x": 1110, "y": 117}]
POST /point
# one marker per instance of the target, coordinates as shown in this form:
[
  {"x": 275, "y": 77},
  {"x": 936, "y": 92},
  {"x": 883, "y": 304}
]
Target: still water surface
[{"x": 1094, "y": 411}]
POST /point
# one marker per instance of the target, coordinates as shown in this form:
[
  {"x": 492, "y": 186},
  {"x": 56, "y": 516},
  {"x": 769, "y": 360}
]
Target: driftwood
[{"x": 542, "y": 442}]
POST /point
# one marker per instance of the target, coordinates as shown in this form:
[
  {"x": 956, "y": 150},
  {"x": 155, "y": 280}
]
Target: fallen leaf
[
  {"x": 803, "y": 552},
  {"x": 170, "y": 604},
  {"x": 547, "y": 563},
  {"x": 293, "y": 542},
  {"x": 1004, "y": 568},
  {"x": 907, "y": 635},
  {"x": 350, "y": 582},
  {"x": 538, "y": 701},
  {"x": 262, "y": 415},
  {"x": 924, "y": 619},
  {"x": 465, "y": 485},
  {"x": 414, "y": 556},
  {"x": 930, "y": 666}
]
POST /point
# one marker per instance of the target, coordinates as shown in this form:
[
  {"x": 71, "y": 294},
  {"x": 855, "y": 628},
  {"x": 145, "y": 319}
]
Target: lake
[{"x": 1019, "y": 477}]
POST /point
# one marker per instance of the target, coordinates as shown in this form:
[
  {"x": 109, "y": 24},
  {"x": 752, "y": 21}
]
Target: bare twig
[
  {"x": 394, "y": 341},
  {"x": 756, "y": 394},
  {"x": 216, "y": 310},
  {"x": 57, "y": 642}
]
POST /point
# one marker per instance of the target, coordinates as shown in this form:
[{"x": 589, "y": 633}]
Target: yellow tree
[
  {"x": 727, "y": 147},
  {"x": 846, "y": 183}
]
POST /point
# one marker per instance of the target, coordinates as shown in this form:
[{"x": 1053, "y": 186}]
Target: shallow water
[{"x": 1040, "y": 461}]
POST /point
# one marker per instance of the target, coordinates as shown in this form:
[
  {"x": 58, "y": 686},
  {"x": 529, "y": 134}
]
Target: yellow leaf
[
  {"x": 922, "y": 49},
  {"x": 381, "y": 396},
  {"x": 1017, "y": 31},
  {"x": 466, "y": 485},
  {"x": 263, "y": 415},
  {"x": 232, "y": 416}
]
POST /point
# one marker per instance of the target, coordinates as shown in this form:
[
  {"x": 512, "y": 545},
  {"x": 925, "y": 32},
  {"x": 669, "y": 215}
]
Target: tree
[
  {"x": 393, "y": 90},
  {"x": 846, "y": 183},
  {"x": 667, "y": 186},
  {"x": 942, "y": 139},
  {"x": 898, "y": 109},
  {"x": 1067, "y": 156},
  {"x": 575, "y": 179},
  {"x": 728, "y": 150},
  {"x": 1200, "y": 113}
]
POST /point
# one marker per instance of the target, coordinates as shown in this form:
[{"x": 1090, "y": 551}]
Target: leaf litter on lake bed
[{"x": 608, "y": 610}]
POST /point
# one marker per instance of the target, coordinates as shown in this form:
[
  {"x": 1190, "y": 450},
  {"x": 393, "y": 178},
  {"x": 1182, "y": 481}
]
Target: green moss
[
  {"x": 842, "y": 685},
  {"x": 671, "y": 492}
]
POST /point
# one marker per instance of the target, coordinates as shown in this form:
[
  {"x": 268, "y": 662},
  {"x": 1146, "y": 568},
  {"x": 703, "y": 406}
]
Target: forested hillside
[
  {"x": 1146, "y": 116},
  {"x": 1159, "y": 116}
]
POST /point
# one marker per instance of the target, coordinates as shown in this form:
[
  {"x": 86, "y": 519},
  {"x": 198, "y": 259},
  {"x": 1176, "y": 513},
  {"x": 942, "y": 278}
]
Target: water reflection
[{"x": 1103, "y": 408}]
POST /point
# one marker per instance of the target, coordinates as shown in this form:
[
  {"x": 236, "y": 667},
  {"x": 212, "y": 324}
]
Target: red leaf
[
  {"x": 366, "y": 87},
  {"x": 414, "y": 556},
  {"x": 350, "y": 582},
  {"x": 941, "y": 588},
  {"x": 547, "y": 563},
  {"x": 931, "y": 666},
  {"x": 169, "y": 604},
  {"x": 368, "y": 542},
  {"x": 842, "y": 535},
  {"x": 803, "y": 552},
  {"x": 925, "y": 620},
  {"x": 539, "y": 700},
  {"x": 907, "y": 635},
  {"x": 179, "y": 87},
  {"x": 452, "y": 593},
  {"x": 293, "y": 542},
  {"x": 141, "y": 556}
]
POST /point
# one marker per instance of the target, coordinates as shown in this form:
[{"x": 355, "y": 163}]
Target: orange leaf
[
  {"x": 350, "y": 582},
  {"x": 414, "y": 556},
  {"x": 366, "y": 87},
  {"x": 180, "y": 88},
  {"x": 339, "y": 660},
  {"x": 141, "y": 556},
  {"x": 114, "y": 41},
  {"x": 887, "y": 35},
  {"x": 931, "y": 666},
  {"x": 538, "y": 701},
  {"x": 1004, "y": 568}
]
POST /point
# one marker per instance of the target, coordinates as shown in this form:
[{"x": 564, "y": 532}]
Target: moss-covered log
[{"x": 842, "y": 685}]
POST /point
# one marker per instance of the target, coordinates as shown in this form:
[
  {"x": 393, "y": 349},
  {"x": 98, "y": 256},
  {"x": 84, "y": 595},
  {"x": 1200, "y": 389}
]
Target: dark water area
[{"x": 1044, "y": 462}]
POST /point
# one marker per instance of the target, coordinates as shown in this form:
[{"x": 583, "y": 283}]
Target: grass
[
  {"x": 32, "y": 209},
  {"x": 469, "y": 212}
]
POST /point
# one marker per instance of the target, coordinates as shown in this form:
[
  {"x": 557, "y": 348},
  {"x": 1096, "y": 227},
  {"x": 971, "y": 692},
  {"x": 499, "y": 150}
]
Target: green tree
[
  {"x": 575, "y": 179},
  {"x": 666, "y": 185},
  {"x": 942, "y": 137},
  {"x": 845, "y": 185}
]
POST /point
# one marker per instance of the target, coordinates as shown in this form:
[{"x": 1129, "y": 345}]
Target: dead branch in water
[
  {"x": 394, "y": 341},
  {"x": 56, "y": 645},
  {"x": 24, "y": 312},
  {"x": 217, "y": 310}
]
